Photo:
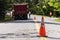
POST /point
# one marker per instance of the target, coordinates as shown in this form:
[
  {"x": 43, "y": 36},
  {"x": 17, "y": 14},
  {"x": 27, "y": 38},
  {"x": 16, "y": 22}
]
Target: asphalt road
[{"x": 28, "y": 29}]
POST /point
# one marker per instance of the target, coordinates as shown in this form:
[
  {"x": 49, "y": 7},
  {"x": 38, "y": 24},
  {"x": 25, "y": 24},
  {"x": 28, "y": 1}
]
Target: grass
[
  {"x": 7, "y": 18},
  {"x": 57, "y": 20}
]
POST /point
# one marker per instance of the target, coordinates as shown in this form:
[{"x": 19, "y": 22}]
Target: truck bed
[{"x": 20, "y": 9}]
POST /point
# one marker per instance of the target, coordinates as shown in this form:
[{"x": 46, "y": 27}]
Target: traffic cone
[
  {"x": 34, "y": 17},
  {"x": 42, "y": 31}
]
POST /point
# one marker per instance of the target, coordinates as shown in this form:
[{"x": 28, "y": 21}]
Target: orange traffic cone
[
  {"x": 34, "y": 17},
  {"x": 42, "y": 31}
]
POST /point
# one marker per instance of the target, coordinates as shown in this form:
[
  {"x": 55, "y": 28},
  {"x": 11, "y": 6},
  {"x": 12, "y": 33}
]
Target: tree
[
  {"x": 3, "y": 8},
  {"x": 56, "y": 6}
]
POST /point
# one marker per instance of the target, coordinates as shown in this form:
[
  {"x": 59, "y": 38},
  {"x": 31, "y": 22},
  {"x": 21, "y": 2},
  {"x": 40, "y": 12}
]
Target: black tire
[
  {"x": 21, "y": 17},
  {"x": 25, "y": 17},
  {"x": 16, "y": 17}
]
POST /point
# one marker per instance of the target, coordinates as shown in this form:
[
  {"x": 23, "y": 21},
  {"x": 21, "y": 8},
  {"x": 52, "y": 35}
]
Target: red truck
[{"x": 20, "y": 11}]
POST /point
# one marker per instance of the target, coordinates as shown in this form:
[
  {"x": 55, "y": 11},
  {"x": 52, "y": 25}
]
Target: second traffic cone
[
  {"x": 34, "y": 17},
  {"x": 42, "y": 31}
]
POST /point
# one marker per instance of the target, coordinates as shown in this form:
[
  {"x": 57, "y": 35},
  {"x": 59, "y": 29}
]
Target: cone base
[{"x": 41, "y": 36}]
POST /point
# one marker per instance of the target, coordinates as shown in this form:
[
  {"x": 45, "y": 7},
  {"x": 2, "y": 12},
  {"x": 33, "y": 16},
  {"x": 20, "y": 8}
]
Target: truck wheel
[
  {"x": 16, "y": 17},
  {"x": 26, "y": 17}
]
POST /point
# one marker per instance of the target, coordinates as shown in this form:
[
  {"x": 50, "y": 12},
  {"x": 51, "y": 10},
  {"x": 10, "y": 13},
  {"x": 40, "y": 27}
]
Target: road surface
[{"x": 28, "y": 29}]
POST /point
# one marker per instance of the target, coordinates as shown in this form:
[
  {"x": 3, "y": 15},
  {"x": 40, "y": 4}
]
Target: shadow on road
[
  {"x": 53, "y": 38},
  {"x": 23, "y": 35},
  {"x": 52, "y": 23},
  {"x": 30, "y": 21}
]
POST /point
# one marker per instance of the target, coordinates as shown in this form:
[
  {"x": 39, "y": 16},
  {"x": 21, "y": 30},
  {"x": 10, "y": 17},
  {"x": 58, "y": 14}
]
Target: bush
[{"x": 7, "y": 18}]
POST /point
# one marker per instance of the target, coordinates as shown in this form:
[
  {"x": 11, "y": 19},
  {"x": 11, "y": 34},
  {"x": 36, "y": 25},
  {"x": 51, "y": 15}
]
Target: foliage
[
  {"x": 56, "y": 7},
  {"x": 7, "y": 18},
  {"x": 4, "y": 5},
  {"x": 3, "y": 8},
  {"x": 40, "y": 7},
  {"x": 50, "y": 5}
]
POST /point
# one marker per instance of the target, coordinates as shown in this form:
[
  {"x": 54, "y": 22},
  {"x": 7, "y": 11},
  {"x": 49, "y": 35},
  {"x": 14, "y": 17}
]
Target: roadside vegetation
[
  {"x": 7, "y": 18},
  {"x": 57, "y": 20},
  {"x": 37, "y": 7}
]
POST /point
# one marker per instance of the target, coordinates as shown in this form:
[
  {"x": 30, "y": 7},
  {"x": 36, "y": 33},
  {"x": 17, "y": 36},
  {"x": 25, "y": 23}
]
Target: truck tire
[
  {"x": 16, "y": 17},
  {"x": 21, "y": 17},
  {"x": 26, "y": 17}
]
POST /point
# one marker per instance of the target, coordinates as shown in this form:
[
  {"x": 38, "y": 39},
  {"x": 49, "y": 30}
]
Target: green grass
[
  {"x": 57, "y": 20},
  {"x": 7, "y": 18}
]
